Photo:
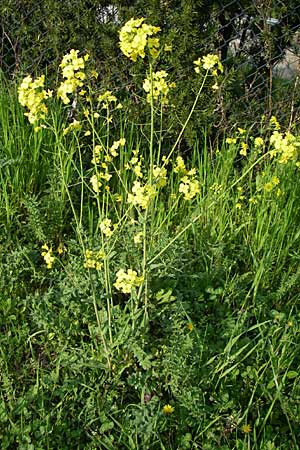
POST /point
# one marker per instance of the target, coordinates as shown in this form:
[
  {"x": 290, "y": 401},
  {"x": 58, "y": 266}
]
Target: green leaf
[{"x": 292, "y": 374}]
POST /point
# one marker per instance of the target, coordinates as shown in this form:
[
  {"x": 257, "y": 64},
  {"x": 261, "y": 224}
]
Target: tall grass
[{"x": 149, "y": 300}]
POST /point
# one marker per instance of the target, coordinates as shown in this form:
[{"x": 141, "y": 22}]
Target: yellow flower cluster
[
  {"x": 47, "y": 255},
  {"x": 108, "y": 98},
  {"x": 116, "y": 144},
  {"x": 31, "y": 94},
  {"x": 71, "y": 66},
  {"x": 141, "y": 195},
  {"x": 93, "y": 259},
  {"x": 135, "y": 164},
  {"x": 285, "y": 145},
  {"x": 97, "y": 150},
  {"x": 209, "y": 62},
  {"x": 189, "y": 187},
  {"x": 160, "y": 176},
  {"x": 244, "y": 148},
  {"x": 216, "y": 188},
  {"x": 135, "y": 36},
  {"x": 126, "y": 281},
  {"x": 157, "y": 87},
  {"x": 107, "y": 228},
  {"x": 96, "y": 179},
  {"x": 179, "y": 167}
]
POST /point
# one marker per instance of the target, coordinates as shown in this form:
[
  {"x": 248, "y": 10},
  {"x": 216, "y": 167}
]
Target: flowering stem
[
  {"x": 187, "y": 120},
  {"x": 151, "y": 126},
  {"x": 196, "y": 218}
]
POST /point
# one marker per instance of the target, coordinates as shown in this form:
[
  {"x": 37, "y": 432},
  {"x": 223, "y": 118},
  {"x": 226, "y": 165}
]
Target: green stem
[{"x": 195, "y": 219}]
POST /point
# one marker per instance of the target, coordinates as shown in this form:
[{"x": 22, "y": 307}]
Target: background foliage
[{"x": 34, "y": 36}]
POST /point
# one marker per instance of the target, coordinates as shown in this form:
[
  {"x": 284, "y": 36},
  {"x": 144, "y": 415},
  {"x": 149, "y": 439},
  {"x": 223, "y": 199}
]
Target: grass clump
[{"x": 149, "y": 299}]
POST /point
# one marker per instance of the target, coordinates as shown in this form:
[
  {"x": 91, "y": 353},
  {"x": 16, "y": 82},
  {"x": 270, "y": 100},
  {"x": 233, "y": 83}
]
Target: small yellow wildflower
[
  {"x": 268, "y": 186},
  {"x": 61, "y": 249},
  {"x": 74, "y": 126},
  {"x": 47, "y": 255},
  {"x": 95, "y": 182},
  {"x": 94, "y": 74},
  {"x": 208, "y": 62},
  {"x": 168, "y": 47},
  {"x": 190, "y": 326},
  {"x": 246, "y": 428},
  {"x": 157, "y": 87},
  {"x": 107, "y": 97},
  {"x": 160, "y": 176},
  {"x": 230, "y": 140},
  {"x": 189, "y": 187},
  {"x": 125, "y": 282},
  {"x": 70, "y": 66},
  {"x": 258, "y": 142},
  {"x": 274, "y": 122},
  {"x": 92, "y": 259},
  {"x": 243, "y": 151},
  {"x": 137, "y": 239},
  {"x": 168, "y": 409},
  {"x": 180, "y": 166},
  {"x": 106, "y": 227}
]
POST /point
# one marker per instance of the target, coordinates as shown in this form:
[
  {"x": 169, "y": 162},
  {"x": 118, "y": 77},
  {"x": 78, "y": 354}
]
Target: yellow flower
[
  {"x": 138, "y": 238},
  {"x": 189, "y": 187},
  {"x": 61, "y": 249},
  {"x": 243, "y": 151},
  {"x": 31, "y": 95},
  {"x": 246, "y": 428},
  {"x": 106, "y": 227},
  {"x": 208, "y": 62},
  {"x": 230, "y": 140},
  {"x": 141, "y": 195},
  {"x": 95, "y": 182},
  {"x": 190, "y": 326},
  {"x": 168, "y": 47},
  {"x": 70, "y": 67},
  {"x": 47, "y": 255},
  {"x": 157, "y": 87},
  {"x": 274, "y": 122},
  {"x": 180, "y": 166},
  {"x": 168, "y": 409},
  {"x": 135, "y": 37},
  {"x": 258, "y": 142},
  {"x": 92, "y": 259},
  {"x": 125, "y": 282}
]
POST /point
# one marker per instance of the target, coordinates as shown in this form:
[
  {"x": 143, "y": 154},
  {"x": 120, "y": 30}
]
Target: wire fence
[{"x": 259, "y": 44}]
